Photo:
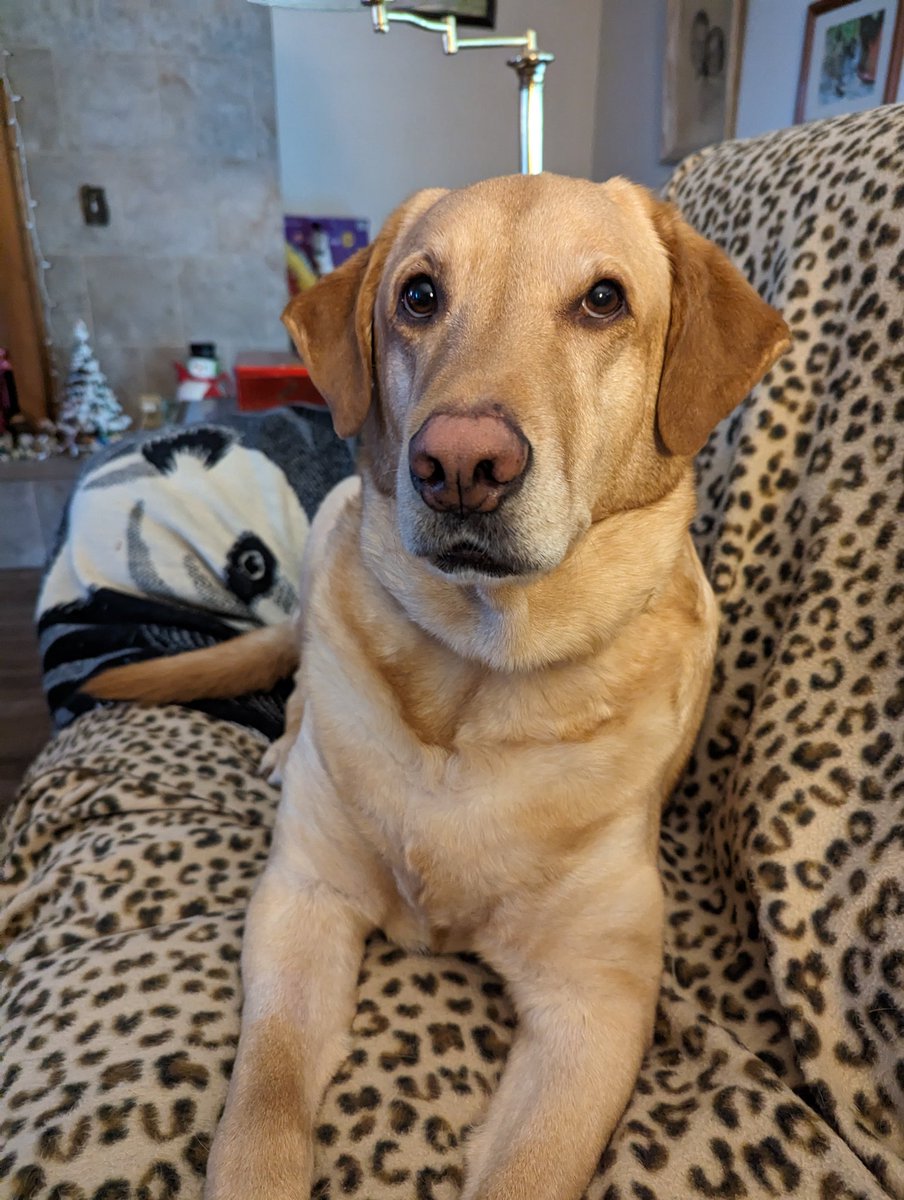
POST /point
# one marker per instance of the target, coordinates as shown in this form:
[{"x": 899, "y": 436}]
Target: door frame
[{"x": 23, "y": 325}]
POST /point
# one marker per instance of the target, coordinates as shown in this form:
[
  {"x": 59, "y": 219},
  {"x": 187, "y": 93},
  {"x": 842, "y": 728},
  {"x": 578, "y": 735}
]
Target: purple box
[{"x": 315, "y": 245}]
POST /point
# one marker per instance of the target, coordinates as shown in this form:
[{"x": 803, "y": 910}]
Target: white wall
[
  {"x": 364, "y": 120},
  {"x": 773, "y": 44},
  {"x": 632, "y": 50},
  {"x": 629, "y": 97}
]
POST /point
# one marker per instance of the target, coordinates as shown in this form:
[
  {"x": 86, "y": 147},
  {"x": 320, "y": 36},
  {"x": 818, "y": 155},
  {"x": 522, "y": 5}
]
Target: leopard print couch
[{"x": 778, "y": 1062}]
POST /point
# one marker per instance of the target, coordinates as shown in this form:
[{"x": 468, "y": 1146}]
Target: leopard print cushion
[
  {"x": 132, "y": 851},
  {"x": 777, "y": 1067}
]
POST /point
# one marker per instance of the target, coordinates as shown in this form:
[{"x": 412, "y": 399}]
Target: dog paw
[{"x": 272, "y": 765}]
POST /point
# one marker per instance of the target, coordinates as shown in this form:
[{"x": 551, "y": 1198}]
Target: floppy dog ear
[
  {"x": 331, "y": 323},
  {"x": 722, "y": 336}
]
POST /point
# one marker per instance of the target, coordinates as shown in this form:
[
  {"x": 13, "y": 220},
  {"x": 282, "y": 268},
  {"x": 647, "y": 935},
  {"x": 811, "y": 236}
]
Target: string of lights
[{"x": 41, "y": 263}]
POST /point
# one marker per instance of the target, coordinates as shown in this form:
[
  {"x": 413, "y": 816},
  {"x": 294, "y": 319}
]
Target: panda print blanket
[{"x": 179, "y": 540}]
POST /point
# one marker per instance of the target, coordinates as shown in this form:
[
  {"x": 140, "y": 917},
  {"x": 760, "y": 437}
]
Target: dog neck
[{"x": 612, "y": 573}]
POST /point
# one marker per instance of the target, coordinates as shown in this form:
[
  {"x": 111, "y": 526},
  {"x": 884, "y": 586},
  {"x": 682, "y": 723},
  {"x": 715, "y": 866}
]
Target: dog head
[{"x": 527, "y": 356}]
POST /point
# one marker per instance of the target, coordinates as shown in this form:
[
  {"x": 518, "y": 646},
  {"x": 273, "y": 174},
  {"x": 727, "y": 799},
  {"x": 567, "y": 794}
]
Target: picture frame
[
  {"x": 851, "y": 57},
  {"x": 703, "y": 52},
  {"x": 466, "y": 12}
]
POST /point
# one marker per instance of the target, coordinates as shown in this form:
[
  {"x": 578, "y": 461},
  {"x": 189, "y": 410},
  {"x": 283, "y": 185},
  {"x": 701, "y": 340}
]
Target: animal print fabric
[
  {"x": 129, "y": 860},
  {"x": 778, "y": 1062},
  {"x": 783, "y": 850}
]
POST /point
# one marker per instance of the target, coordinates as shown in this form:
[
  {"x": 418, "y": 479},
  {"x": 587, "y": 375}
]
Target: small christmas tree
[{"x": 89, "y": 412}]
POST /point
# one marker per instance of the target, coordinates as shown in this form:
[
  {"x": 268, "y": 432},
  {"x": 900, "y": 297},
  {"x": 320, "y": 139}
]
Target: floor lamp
[{"x": 529, "y": 64}]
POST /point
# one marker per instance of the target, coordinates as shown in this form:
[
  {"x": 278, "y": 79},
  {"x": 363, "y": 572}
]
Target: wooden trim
[
  {"x": 23, "y": 330},
  {"x": 801, "y": 101},
  {"x": 894, "y": 63},
  {"x": 735, "y": 60}
]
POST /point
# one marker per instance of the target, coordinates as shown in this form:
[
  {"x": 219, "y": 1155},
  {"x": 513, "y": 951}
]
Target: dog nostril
[
  {"x": 437, "y": 474},
  {"x": 427, "y": 469},
  {"x": 483, "y": 472}
]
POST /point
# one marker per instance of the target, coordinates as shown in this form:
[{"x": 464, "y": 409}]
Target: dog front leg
[
  {"x": 585, "y": 1017},
  {"x": 301, "y": 956},
  {"x": 273, "y": 764}
]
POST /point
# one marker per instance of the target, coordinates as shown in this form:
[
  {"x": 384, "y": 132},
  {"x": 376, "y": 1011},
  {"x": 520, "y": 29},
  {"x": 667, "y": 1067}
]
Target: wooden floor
[{"x": 24, "y": 721}]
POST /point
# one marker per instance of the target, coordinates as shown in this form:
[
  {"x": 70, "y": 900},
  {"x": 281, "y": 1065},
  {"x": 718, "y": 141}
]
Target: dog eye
[
  {"x": 604, "y": 299},
  {"x": 419, "y": 297}
]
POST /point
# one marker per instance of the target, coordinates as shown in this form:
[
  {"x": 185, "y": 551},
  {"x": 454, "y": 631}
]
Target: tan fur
[
  {"x": 479, "y": 763},
  {"x": 722, "y": 337},
  {"x": 252, "y": 662}
]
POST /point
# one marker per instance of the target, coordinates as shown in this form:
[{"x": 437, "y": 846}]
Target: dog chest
[
  {"x": 458, "y": 786},
  {"x": 450, "y": 836}
]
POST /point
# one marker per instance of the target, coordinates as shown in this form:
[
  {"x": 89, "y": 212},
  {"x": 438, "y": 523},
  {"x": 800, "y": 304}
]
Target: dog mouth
[
  {"x": 454, "y": 561},
  {"x": 467, "y": 557},
  {"x": 467, "y": 549}
]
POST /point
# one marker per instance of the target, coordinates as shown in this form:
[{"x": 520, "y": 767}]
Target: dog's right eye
[
  {"x": 605, "y": 299},
  {"x": 419, "y": 297}
]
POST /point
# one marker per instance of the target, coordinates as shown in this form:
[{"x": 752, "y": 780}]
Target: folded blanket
[{"x": 179, "y": 540}]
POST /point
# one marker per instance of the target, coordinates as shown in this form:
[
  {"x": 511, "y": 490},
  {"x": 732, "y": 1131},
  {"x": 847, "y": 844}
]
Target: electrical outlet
[{"x": 95, "y": 209}]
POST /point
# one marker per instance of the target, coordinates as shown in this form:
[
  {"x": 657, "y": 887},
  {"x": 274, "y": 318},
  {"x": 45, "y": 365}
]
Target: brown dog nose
[{"x": 466, "y": 464}]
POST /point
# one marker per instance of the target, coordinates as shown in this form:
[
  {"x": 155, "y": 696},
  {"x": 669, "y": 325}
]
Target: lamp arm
[
  {"x": 381, "y": 19},
  {"x": 530, "y": 66},
  {"x": 479, "y": 43}
]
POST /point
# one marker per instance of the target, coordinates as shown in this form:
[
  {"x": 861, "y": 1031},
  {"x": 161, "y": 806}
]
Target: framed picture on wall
[
  {"x": 468, "y": 12},
  {"x": 704, "y": 43},
  {"x": 851, "y": 58}
]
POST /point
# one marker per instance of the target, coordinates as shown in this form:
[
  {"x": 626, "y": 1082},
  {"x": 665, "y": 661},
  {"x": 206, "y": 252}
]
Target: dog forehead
[{"x": 548, "y": 224}]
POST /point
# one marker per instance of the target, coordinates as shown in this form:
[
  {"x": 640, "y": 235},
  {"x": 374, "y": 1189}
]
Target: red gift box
[{"x": 273, "y": 380}]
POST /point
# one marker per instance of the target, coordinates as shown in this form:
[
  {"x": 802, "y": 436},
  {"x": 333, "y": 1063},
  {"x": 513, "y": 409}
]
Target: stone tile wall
[{"x": 169, "y": 106}]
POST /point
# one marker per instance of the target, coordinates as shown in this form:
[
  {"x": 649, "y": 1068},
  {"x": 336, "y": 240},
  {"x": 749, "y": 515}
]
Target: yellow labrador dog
[{"x": 506, "y": 643}]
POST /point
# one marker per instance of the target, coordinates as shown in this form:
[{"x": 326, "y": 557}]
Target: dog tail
[{"x": 251, "y": 662}]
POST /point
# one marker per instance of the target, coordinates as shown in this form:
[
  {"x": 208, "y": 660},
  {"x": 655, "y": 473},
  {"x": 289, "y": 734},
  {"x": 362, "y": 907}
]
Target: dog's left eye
[
  {"x": 604, "y": 299},
  {"x": 419, "y": 297}
]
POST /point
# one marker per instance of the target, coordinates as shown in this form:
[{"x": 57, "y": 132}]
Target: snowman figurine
[
  {"x": 200, "y": 383},
  {"x": 321, "y": 250}
]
